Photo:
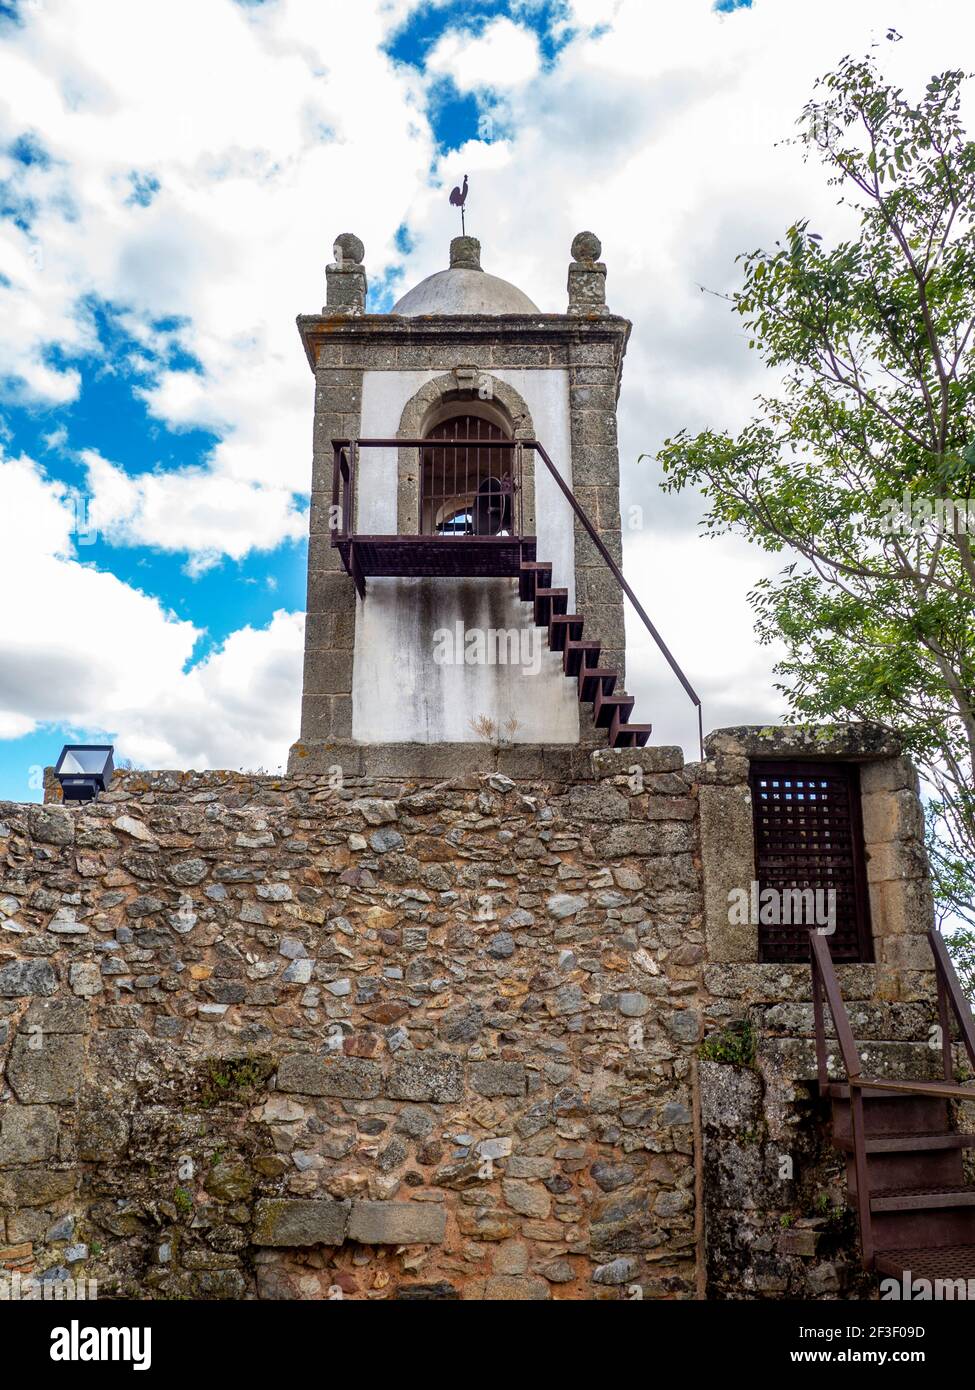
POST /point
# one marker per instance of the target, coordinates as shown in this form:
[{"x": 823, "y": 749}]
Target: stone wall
[
  {"x": 779, "y": 1222},
  {"x": 270, "y": 1038},
  {"x": 408, "y": 1038}
]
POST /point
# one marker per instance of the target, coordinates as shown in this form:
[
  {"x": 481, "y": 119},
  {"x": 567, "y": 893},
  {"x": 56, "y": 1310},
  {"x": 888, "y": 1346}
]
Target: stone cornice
[{"x": 393, "y": 330}]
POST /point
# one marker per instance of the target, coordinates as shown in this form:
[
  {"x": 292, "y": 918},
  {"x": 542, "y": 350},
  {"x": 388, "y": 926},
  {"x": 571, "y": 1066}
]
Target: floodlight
[{"x": 84, "y": 770}]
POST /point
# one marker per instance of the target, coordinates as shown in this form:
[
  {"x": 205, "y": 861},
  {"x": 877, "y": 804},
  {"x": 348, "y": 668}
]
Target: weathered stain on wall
[{"x": 403, "y": 690}]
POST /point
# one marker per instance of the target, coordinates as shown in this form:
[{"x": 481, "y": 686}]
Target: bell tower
[{"x": 465, "y": 497}]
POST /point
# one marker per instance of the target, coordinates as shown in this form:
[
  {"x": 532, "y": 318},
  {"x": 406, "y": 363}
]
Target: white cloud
[
  {"x": 40, "y": 517},
  {"x": 81, "y": 648},
  {"x": 15, "y": 725},
  {"x": 239, "y": 708},
  {"x": 204, "y": 512},
  {"x": 269, "y": 129},
  {"x": 659, "y": 135},
  {"x": 501, "y": 55}
]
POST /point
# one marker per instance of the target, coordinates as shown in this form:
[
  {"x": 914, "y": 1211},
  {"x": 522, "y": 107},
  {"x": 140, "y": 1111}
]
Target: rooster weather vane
[{"x": 458, "y": 198}]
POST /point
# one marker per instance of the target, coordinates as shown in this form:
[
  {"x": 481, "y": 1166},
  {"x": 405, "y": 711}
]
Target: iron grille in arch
[
  {"x": 808, "y": 835},
  {"x": 467, "y": 488}
]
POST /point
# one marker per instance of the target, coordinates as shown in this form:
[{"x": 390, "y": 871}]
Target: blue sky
[
  {"x": 162, "y": 222},
  {"x": 456, "y": 116}
]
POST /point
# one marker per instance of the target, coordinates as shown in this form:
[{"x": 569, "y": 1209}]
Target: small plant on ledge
[
  {"x": 493, "y": 732},
  {"x": 735, "y": 1046}
]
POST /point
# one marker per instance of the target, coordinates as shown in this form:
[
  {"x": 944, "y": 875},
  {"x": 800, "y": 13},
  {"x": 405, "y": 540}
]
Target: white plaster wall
[
  {"x": 546, "y": 393},
  {"x": 399, "y": 692}
]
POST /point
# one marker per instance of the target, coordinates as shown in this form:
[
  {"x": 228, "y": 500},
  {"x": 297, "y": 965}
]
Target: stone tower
[{"x": 454, "y": 593}]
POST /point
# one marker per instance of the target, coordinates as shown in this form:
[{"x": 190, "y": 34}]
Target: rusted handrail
[
  {"x": 951, "y": 992},
  {"x": 617, "y": 574},
  {"x": 824, "y": 981},
  {"x": 343, "y": 492},
  {"x": 348, "y": 513},
  {"x": 823, "y": 968}
]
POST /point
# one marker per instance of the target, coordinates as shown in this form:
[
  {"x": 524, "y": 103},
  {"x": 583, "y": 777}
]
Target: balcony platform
[{"x": 445, "y": 557}]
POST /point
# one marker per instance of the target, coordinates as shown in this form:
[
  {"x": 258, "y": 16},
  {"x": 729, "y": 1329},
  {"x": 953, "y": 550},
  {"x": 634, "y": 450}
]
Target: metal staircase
[
  {"x": 904, "y": 1153},
  {"x": 505, "y": 554},
  {"x": 580, "y": 659}
]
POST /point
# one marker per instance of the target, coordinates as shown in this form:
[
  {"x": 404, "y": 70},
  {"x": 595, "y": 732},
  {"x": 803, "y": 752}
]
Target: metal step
[
  {"x": 921, "y": 1262},
  {"x": 875, "y": 1088},
  {"x": 578, "y": 655},
  {"x": 591, "y": 678},
  {"x": 623, "y": 734},
  {"x": 904, "y": 1169},
  {"x": 530, "y": 574},
  {"x": 549, "y": 602},
  {"x": 908, "y": 1143},
  {"x": 888, "y": 1113},
  {"x": 923, "y": 1198},
  {"x": 564, "y": 627},
  {"x": 628, "y": 735},
  {"x": 605, "y": 706}
]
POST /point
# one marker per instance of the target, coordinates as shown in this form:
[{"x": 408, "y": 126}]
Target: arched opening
[
  {"x": 467, "y": 484},
  {"x": 439, "y": 402}
]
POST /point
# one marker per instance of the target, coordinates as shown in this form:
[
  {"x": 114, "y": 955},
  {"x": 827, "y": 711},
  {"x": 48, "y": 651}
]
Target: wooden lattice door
[{"x": 809, "y": 835}]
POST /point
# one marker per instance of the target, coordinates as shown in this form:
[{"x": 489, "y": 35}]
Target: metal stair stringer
[{"x": 596, "y": 685}]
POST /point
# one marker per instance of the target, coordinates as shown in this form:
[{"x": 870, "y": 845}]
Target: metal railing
[
  {"x": 824, "y": 981},
  {"x": 468, "y": 485},
  {"x": 463, "y": 488},
  {"x": 951, "y": 1000},
  {"x": 617, "y": 574}
]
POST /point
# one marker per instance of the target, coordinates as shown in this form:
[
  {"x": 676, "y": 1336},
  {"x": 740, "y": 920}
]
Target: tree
[
  {"x": 962, "y": 946},
  {"x": 862, "y": 463}
]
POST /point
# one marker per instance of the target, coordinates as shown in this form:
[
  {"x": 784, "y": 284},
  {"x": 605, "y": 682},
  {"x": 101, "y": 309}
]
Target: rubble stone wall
[
  {"x": 266, "y": 1037},
  {"x": 380, "y": 1036},
  {"x": 779, "y": 1220}
]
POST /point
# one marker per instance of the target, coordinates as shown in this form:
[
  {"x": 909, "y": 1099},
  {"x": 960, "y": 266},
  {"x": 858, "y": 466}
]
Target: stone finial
[
  {"x": 348, "y": 247},
  {"x": 345, "y": 278},
  {"x": 586, "y": 247},
  {"x": 587, "y": 277},
  {"x": 465, "y": 253}
]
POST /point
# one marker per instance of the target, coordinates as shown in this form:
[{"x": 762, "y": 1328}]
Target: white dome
[{"x": 464, "y": 291}]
